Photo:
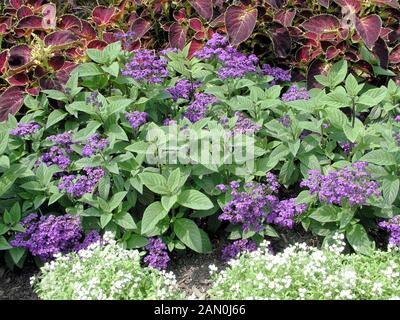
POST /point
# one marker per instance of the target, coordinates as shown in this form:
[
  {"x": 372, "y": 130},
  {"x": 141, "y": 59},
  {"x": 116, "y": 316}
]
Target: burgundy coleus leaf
[
  {"x": 177, "y": 35},
  {"x": 34, "y": 91},
  {"x": 69, "y": 21},
  {"x": 110, "y": 37},
  {"x": 102, "y": 15},
  {"x": 324, "y": 3},
  {"x": 240, "y": 22},
  {"x": 196, "y": 24},
  {"x": 331, "y": 53},
  {"x": 391, "y": 3},
  {"x": 3, "y": 28},
  {"x": 140, "y": 26},
  {"x": 394, "y": 56},
  {"x": 36, "y": 4},
  {"x": 195, "y": 46},
  {"x": 87, "y": 31},
  {"x": 203, "y": 7},
  {"x": 74, "y": 53},
  {"x": 7, "y": 21},
  {"x": 316, "y": 67},
  {"x": 19, "y": 57},
  {"x": 16, "y": 4},
  {"x": 56, "y": 62},
  {"x": 130, "y": 46},
  {"x": 277, "y": 4},
  {"x": 321, "y": 24},
  {"x": 18, "y": 79},
  {"x": 97, "y": 44},
  {"x": 281, "y": 42},
  {"x": 353, "y": 6},
  {"x": 311, "y": 35},
  {"x": 23, "y": 12},
  {"x": 31, "y": 22},
  {"x": 60, "y": 39},
  {"x": 180, "y": 15},
  {"x": 3, "y": 61},
  {"x": 40, "y": 71},
  {"x": 285, "y": 17},
  {"x": 11, "y": 101},
  {"x": 380, "y": 50},
  {"x": 49, "y": 16},
  {"x": 329, "y": 36},
  {"x": 218, "y": 21},
  {"x": 369, "y": 29},
  {"x": 344, "y": 33},
  {"x": 385, "y": 32},
  {"x": 201, "y": 35},
  {"x": 307, "y": 53}
]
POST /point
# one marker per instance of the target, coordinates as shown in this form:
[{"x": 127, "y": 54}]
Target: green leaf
[
  {"x": 358, "y": 239},
  {"x": 113, "y": 50},
  {"x": 390, "y": 189},
  {"x": 336, "y": 117},
  {"x": 136, "y": 241},
  {"x": 14, "y": 215},
  {"x": 116, "y": 199},
  {"x": 325, "y": 214},
  {"x": 16, "y": 254},
  {"x": 125, "y": 220},
  {"x": 96, "y": 55},
  {"x": 346, "y": 216},
  {"x": 338, "y": 73},
  {"x": 189, "y": 233},
  {"x": 154, "y": 182},
  {"x": 3, "y": 141},
  {"x": 168, "y": 201},
  {"x": 153, "y": 214},
  {"x": 105, "y": 218},
  {"x": 174, "y": 180},
  {"x": 56, "y": 95},
  {"x": 9, "y": 177},
  {"x": 352, "y": 86},
  {"x": 195, "y": 200},
  {"x": 372, "y": 97},
  {"x": 379, "y": 157},
  {"x": 4, "y": 245},
  {"x": 104, "y": 186},
  {"x": 54, "y": 117},
  {"x": 119, "y": 105},
  {"x": 88, "y": 70}
]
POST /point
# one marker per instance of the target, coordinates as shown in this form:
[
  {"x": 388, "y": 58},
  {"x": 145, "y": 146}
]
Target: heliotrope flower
[
  {"x": 157, "y": 256},
  {"x": 393, "y": 226},
  {"x": 277, "y": 73},
  {"x": 284, "y": 213},
  {"x": 136, "y": 118},
  {"x": 245, "y": 125},
  {"x": 234, "y": 63},
  {"x": 46, "y": 236},
  {"x": 197, "y": 110},
  {"x": 347, "y": 146},
  {"x": 94, "y": 145},
  {"x": 25, "y": 129},
  {"x": 397, "y": 118},
  {"x": 78, "y": 185},
  {"x": 93, "y": 99},
  {"x": 62, "y": 139},
  {"x": 56, "y": 156},
  {"x": 146, "y": 66},
  {"x": 183, "y": 89},
  {"x": 295, "y": 93},
  {"x": 352, "y": 184},
  {"x": 285, "y": 120},
  {"x": 232, "y": 250},
  {"x": 169, "y": 122}
]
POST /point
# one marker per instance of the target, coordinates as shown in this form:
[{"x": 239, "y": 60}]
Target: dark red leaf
[
  {"x": 11, "y": 101},
  {"x": 322, "y": 23},
  {"x": 16, "y": 4},
  {"x": 306, "y": 54},
  {"x": 3, "y": 28},
  {"x": 177, "y": 36},
  {"x": 285, "y": 17},
  {"x": 277, "y": 4},
  {"x": 62, "y": 38},
  {"x": 35, "y": 3},
  {"x": 381, "y": 51},
  {"x": 201, "y": 35},
  {"x": 203, "y": 7},
  {"x": 56, "y": 62},
  {"x": 40, "y": 71},
  {"x": 369, "y": 28},
  {"x": 353, "y": 5},
  {"x": 196, "y": 24},
  {"x": 74, "y": 53},
  {"x": 87, "y": 32},
  {"x": 331, "y": 53},
  {"x": 195, "y": 45},
  {"x": 19, "y": 57},
  {"x": 281, "y": 42},
  {"x": 324, "y": 3},
  {"x": 18, "y": 79},
  {"x": 132, "y": 45},
  {"x": 102, "y": 15},
  {"x": 240, "y": 22},
  {"x": 394, "y": 56},
  {"x": 180, "y": 15},
  {"x": 69, "y": 21},
  {"x": 329, "y": 36},
  {"x": 315, "y": 68},
  {"x": 3, "y": 60},
  {"x": 311, "y": 35},
  {"x": 97, "y": 44},
  {"x": 23, "y": 12},
  {"x": 31, "y": 22},
  {"x": 7, "y": 21},
  {"x": 218, "y": 21},
  {"x": 49, "y": 16},
  {"x": 140, "y": 26},
  {"x": 110, "y": 37},
  {"x": 344, "y": 33},
  {"x": 33, "y": 91},
  {"x": 385, "y": 32}
]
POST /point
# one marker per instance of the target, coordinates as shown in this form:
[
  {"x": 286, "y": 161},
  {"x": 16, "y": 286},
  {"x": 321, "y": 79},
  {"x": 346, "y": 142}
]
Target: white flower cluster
[
  {"x": 304, "y": 272},
  {"x": 104, "y": 271}
]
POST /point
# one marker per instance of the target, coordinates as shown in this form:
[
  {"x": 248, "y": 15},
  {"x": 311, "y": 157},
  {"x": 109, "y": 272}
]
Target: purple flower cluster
[
  {"x": 146, "y": 66},
  {"x": 94, "y": 145},
  {"x": 48, "y": 235},
  {"x": 197, "y": 110},
  {"x": 393, "y": 226},
  {"x": 56, "y": 156},
  {"x": 163, "y": 53},
  {"x": 234, "y": 63},
  {"x": 157, "y": 256},
  {"x": 249, "y": 207},
  {"x": 295, "y": 93},
  {"x": 93, "y": 99},
  {"x": 136, "y": 118},
  {"x": 62, "y": 139},
  {"x": 352, "y": 184},
  {"x": 397, "y": 118},
  {"x": 77, "y": 186},
  {"x": 183, "y": 89},
  {"x": 25, "y": 129},
  {"x": 272, "y": 182},
  {"x": 284, "y": 213},
  {"x": 245, "y": 125},
  {"x": 285, "y": 120},
  {"x": 169, "y": 122},
  {"x": 232, "y": 250},
  {"x": 277, "y": 73},
  {"x": 347, "y": 146}
]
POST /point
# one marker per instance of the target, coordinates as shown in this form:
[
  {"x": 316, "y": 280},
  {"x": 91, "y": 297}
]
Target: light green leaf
[
  {"x": 195, "y": 200},
  {"x": 189, "y": 233},
  {"x": 153, "y": 214}
]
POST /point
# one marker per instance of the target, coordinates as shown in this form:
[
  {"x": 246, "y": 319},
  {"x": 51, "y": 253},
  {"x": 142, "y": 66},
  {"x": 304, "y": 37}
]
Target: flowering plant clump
[
  {"x": 296, "y": 93},
  {"x": 237, "y": 247},
  {"x": 103, "y": 271},
  {"x": 393, "y": 226},
  {"x": 77, "y": 185},
  {"x": 47, "y": 236},
  {"x": 25, "y": 129},
  {"x": 136, "y": 118},
  {"x": 304, "y": 272},
  {"x": 157, "y": 255},
  {"x": 197, "y": 110}
]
